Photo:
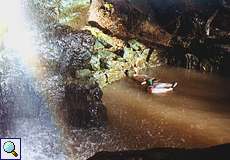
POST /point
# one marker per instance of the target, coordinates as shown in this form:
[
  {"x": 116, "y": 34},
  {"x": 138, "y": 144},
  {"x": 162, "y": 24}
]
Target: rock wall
[
  {"x": 200, "y": 32},
  {"x": 123, "y": 20}
]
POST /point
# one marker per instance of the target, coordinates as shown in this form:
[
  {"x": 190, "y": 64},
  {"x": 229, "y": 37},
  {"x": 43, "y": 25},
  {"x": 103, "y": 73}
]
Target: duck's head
[{"x": 149, "y": 82}]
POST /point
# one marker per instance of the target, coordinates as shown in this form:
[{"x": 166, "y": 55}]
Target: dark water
[{"x": 195, "y": 114}]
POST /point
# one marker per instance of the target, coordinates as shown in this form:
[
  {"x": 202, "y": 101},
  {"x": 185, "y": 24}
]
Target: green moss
[
  {"x": 114, "y": 75},
  {"x": 111, "y": 67},
  {"x": 69, "y": 12},
  {"x": 111, "y": 57},
  {"x": 98, "y": 46},
  {"x": 108, "y": 7},
  {"x": 104, "y": 53},
  {"x": 154, "y": 60},
  {"x": 128, "y": 54},
  {"x": 74, "y": 17},
  {"x": 95, "y": 62},
  {"x": 100, "y": 78},
  {"x": 103, "y": 38},
  {"x": 135, "y": 44},
  {"x": 141, "y": 58},
  {"x": 83, "y": 73}
]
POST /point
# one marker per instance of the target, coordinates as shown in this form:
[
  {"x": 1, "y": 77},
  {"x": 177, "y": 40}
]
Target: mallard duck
[
  {"x": 153, "y": 87},
  {"x": 141, "y": 78}
]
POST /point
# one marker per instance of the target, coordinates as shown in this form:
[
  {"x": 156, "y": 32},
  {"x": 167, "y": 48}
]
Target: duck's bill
[{"x": 143, "y": 83}]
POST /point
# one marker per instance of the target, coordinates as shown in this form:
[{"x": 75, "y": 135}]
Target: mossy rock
[
  {"x": 98, "y": 45},
  {"x": 155, "y": 60},
  {"x": 100, "y": 78},
  {"x": 73, "y": 12},
  {"x": 114, "y": 75},
  {"x": 95, "y": 62},
  {"x": 107, "y": 41},
  {"x": 128, "y": 54},
  {"x": 140, "y": 59},
  {"x": 83, "y": 73},
  {"x": 105, "y": 53},
  {"x": 117, "y": 65},
  {"x": 135, "y": 44}
]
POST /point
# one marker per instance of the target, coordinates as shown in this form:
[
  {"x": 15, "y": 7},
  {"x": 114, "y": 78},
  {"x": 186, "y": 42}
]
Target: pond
[{"x": 195, "y": 114}]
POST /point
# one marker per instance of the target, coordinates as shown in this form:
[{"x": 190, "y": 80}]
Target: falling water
[
  {"x": 195, "y": 114},
  {"x": 24, "y": 111}
]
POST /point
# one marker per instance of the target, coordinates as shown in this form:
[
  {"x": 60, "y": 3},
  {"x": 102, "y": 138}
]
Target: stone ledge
[{"x": 220, "y": 152}]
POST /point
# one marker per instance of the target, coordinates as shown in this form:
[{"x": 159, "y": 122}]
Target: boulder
[
  {"x": 122, "y": 19},
  {"x": 83, "y": 107}
]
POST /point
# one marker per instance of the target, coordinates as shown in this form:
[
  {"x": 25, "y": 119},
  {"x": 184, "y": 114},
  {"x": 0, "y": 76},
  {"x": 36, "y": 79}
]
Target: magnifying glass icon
[{"x": 9, "y": 147}]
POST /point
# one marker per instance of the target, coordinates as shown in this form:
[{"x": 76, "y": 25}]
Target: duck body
[
  {"x": 141, "y": 78},
  {"x": 152, "y": 84},
  {"x": 161, "y": 87}
]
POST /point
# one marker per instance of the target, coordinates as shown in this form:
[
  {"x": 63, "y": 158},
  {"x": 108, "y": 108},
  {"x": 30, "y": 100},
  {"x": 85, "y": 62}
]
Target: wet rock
[
  {"x": 76, "y": 48},
  {"x": 135, "y": 44},
  {"x": 68, "y": 12},
  {"x": 212, "y": 153},
  {"x": 83, "y": 73},
  {"x": 198, "y": 27},
  {"x": 106, "y": 40},
  {"x": 101, "y": 78},
  {"x": 95, "y": 62},
  {"x": 112, "y": 62},
  {"x": 114, "y": 75},
  {"x": 176, "y": 59},
  {"x": 128, "y": 20},
  {"x": 206, "y": 66},
  {"x": 83, "y": 106},
  {"x": 73, "y": 12},
  {"x": 140, "y": 59},
  {"x": 128, "y": 54},
  {"x": 191, "y": 61},
  {"x": 156, "y": 58}
]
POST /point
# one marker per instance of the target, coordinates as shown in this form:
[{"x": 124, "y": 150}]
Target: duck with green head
[
  {"x": 155, "y": 87},
  {"x": 140, "y": 77}
]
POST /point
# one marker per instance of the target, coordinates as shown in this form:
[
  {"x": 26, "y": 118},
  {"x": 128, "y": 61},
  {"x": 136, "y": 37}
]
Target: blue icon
[{"x": 9, "y": 147}]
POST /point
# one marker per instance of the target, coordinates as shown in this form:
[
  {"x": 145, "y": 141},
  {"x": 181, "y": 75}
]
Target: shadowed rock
[
  {"x": 212, "y": 153},
  {"x": 126, "y": 20},
  {"x": 83, "y": 106}
]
